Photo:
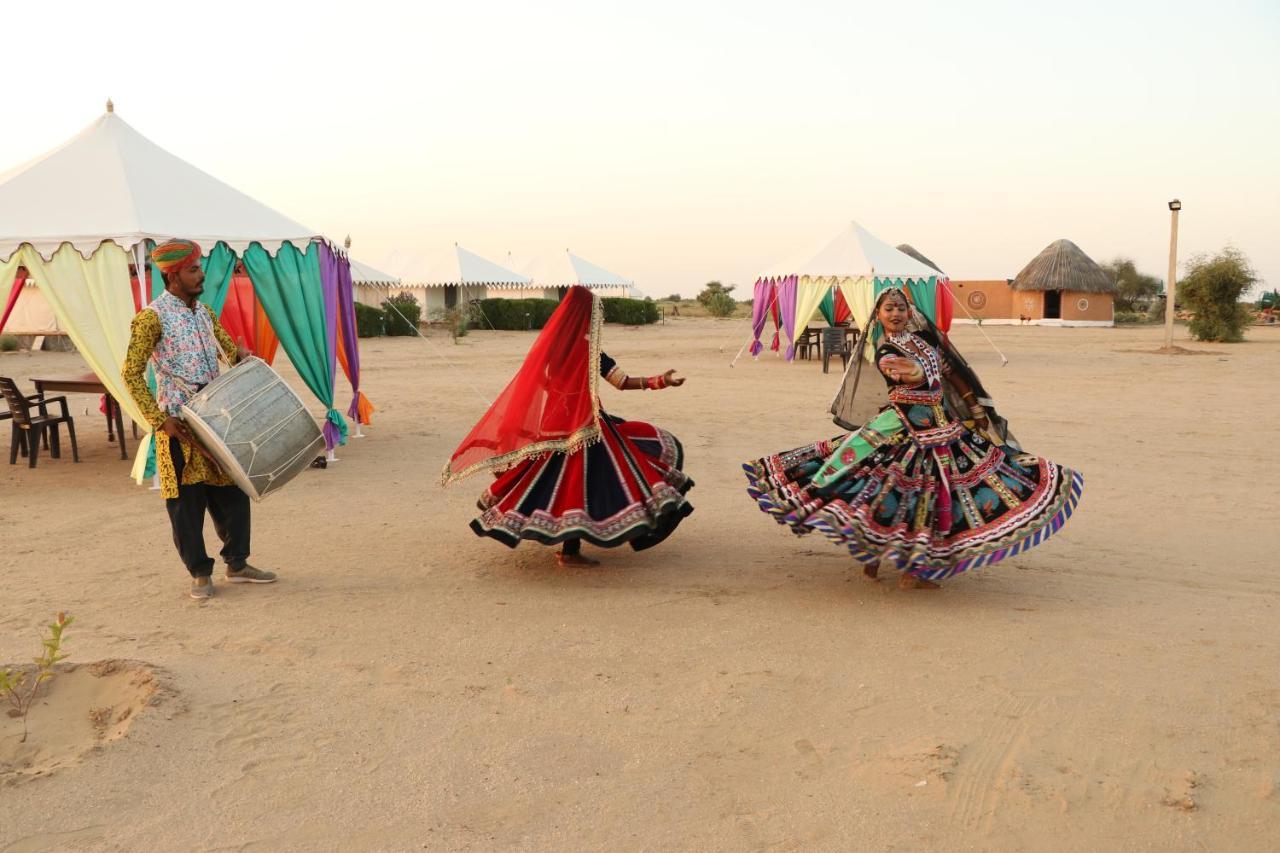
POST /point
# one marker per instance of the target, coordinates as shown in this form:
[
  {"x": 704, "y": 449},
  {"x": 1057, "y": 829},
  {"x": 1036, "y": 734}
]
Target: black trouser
[{"x": 227, "y": 506}]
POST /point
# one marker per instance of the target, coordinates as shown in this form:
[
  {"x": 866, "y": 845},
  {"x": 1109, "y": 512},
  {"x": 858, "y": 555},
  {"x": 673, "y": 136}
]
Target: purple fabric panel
[
  {"x": 759, "y": 312},
  {"x": 329, "y": 264},
  {"x": 350, "y": 342},
  {"x": 787, "y": 302}
]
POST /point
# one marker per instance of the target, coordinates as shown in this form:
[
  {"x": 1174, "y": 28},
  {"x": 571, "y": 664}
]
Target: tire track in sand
[{"x": 990, "y": 758}]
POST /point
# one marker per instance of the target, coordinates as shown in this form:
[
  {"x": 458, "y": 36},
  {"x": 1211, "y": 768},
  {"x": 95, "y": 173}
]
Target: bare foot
[
  {"x": 913, "y": 582},
  {"x": 575, "y": 560},
  {"x": 871, "y": 572}
]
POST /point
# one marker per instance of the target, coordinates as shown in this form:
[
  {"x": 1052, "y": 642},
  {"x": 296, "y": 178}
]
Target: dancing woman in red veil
[{"x": 566, "y": 471}]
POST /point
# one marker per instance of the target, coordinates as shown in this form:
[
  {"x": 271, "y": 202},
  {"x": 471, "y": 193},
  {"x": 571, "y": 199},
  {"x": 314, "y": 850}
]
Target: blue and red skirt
[{"x": 626, "y": 487}]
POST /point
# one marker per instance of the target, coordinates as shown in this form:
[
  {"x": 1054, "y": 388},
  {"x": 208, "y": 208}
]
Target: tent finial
[
  {"x": 110, "y": 106},
  {"x": 346, "y": 244}
]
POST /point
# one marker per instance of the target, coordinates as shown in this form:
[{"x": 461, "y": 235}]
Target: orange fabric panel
[
  {"x": 267, "y": 342},
  {"x": 238, "y": 310}
]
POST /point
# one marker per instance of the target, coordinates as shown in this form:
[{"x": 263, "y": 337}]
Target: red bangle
[{"x": 655, "y": 383}]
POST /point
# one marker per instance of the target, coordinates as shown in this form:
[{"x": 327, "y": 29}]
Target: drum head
[{"x": 255, "y": 426}]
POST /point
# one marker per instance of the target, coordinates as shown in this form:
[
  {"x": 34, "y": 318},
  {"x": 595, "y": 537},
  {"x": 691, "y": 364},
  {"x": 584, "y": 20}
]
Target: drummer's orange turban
[{"x": 175, "y": 254}]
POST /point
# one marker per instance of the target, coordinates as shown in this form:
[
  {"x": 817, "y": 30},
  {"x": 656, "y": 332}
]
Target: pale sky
[{"x": 678, "y": 142}]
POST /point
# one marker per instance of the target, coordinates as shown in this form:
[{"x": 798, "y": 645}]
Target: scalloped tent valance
[{"x": 110, "y": 183}]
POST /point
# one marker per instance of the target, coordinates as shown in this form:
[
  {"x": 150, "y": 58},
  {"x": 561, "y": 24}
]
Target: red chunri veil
[{"x": 550, "y": 405}]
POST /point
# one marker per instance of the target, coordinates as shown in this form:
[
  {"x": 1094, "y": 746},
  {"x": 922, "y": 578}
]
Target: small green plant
[
  {"x": 8, "y": 343},
  {"x": 19, "y": 688},
  {"x": 403, "y": 313},
  {"x": 459, "y": 322}
]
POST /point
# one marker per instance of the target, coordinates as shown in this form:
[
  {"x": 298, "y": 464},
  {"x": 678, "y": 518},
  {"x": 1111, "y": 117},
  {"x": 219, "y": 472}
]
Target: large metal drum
[{"x": 255, "y": 426}]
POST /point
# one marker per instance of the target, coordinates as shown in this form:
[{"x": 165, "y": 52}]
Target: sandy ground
[{"x": 408, "y": 685}]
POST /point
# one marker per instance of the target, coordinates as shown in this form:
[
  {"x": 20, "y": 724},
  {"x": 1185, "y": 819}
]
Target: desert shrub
[
  {"x": 459, "y": 322},
  {"x": 1212, "y": 289},
  {"x": 629, "y": 312},
  {"x": 370, "y": 322},
  {"x": 709, "y": 292},
  {"x": 675, "y": 297},
  {"x": 403, "y": 313},
  {"x": 8, "y": 343},
  {"x": 1130, "y": 317},
  {"x": 518, "y": 314},
  {"x": 720, "y": 304}
]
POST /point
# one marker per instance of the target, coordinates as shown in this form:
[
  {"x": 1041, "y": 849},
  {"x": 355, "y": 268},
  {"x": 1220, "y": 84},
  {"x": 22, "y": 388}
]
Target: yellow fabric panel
[
  {"x": 860, "y": 295},
  {"x": 93, "y": 301},
  {"x": 809, "y": 294}
]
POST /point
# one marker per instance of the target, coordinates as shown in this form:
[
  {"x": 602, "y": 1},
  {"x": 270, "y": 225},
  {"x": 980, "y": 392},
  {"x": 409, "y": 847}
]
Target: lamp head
[{"x": 1175, "y": 205}]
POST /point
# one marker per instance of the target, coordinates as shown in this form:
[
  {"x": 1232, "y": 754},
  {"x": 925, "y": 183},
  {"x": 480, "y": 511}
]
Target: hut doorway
[
  {"x": 450, "y": 297},
  {"x": 1053, "y": 304}
]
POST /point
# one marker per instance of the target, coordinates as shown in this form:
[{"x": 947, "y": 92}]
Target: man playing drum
[{"x": 182, "y": 339}]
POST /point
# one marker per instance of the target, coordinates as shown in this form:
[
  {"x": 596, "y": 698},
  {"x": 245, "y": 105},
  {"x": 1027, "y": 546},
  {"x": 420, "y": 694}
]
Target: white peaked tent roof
[
  {"x": 593, "y": 276},
  {"x": 854, "y": 252},
  {"x": 477, "y": 270},
  {"x": 365, "y": 274},
  {"x": 110, "y": 182},
  {"x": 565, "y": 269}
]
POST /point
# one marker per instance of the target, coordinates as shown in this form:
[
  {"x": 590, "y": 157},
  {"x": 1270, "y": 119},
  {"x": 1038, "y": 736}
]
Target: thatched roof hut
[
  {"x": 908, "y": 249},
  {"x": 1063, "y": 266}
]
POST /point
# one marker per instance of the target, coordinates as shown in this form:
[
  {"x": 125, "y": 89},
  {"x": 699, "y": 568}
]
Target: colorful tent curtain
[
  {"x": 809, "y": 295},
  {"x": 762, "y": 301},
  {"x": 238, "y": 310},
  {"x": 9, "y": 273},
  {"x": 292, "y": 293},
  {"x": 946, "y": 305},
  {"x": 92, "y": 302},
  {"x": 218, "y": 264},
  {"x": 349, "y": 345},
  {"x": 787, "y": 305},
  {"x": 266, "y": 343}
]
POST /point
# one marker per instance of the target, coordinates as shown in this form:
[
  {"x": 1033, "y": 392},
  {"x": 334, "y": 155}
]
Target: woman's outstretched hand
[{"x": 672, "y": 380}]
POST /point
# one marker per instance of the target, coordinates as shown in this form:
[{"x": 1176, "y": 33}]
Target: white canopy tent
[
  {"x": 851, "y": 262},
  {"x": 79, "y": 215},
  {"x": 111, "y": 183}
]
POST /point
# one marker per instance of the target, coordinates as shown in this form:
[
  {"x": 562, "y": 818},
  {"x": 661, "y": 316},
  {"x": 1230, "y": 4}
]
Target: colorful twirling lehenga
[
  {"x": 565, "y": 469},
  {"x": 917, "y": 484}
]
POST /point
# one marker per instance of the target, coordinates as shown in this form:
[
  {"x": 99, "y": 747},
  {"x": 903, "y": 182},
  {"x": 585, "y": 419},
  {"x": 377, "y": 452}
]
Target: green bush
[
  {"x": 516, "y": 314},
  {"x": 370, "y": 321},
  {"x": 402, "y": 313},
  {"x": 1212, "y": 289},
  {"x": 629, "y": 312},
  {"x": 720, "y": 304},
  {"x": 8, "y": 343},
  {"x": 1130, "y": 317}
]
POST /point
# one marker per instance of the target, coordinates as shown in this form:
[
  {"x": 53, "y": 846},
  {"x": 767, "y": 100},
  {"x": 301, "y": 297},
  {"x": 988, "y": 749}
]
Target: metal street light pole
[{"x": 1174, "y": 207}]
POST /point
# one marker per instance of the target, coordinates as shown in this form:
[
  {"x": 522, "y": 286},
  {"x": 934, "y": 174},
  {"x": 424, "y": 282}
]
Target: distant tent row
[
  {"x": 462, "y": 275},
  {"x": 81, "y": 220}
]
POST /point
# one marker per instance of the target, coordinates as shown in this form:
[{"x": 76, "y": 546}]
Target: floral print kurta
[{"x": 145, "y": 333}]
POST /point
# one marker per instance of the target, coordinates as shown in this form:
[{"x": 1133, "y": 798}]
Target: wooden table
[{"x": 88, "y": 384}]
